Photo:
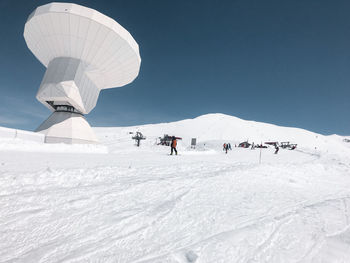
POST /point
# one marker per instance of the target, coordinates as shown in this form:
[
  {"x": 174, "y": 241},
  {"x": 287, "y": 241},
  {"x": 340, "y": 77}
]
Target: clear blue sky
[{"x": 285, "y": 62}]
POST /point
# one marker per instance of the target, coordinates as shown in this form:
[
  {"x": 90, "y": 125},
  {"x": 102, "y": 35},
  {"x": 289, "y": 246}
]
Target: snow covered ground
[{"x": 118, "y": 203}]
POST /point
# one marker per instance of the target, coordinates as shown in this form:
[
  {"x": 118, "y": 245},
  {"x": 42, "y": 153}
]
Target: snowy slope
[
  {"x": 225, "y": 128},
  {"x": 120, "y": 203}
]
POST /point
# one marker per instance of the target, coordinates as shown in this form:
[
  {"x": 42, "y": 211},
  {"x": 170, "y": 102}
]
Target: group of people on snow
[{"x": 226, "y": 147}]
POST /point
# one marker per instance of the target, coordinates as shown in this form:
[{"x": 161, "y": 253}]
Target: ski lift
[{"x": 138, "y": 137}]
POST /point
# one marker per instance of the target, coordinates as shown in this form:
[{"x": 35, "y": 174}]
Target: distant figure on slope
[
  {"x": 224, "y": 147},
  {"x": 229, "y": 146},
  {"x": 253, "y": 146},
  {"x": 173, "y": 145},
  {"x": 277, "y": 149}
]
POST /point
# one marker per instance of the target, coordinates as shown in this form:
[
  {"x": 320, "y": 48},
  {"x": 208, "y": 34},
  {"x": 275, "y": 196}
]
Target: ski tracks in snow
[{"x": 183, "y": 210}]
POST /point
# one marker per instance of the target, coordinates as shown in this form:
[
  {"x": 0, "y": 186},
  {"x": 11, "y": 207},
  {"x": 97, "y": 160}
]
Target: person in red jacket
[{"x": 173, "y": 145}]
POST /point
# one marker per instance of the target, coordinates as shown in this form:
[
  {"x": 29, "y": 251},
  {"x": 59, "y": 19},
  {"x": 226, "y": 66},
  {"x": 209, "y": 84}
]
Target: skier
[
  {"x": 173, "y": 145},
  {"x": 277, "y": 149},
  {"x": 229, "y": 146},
  {"x": 224, "y": 147}
]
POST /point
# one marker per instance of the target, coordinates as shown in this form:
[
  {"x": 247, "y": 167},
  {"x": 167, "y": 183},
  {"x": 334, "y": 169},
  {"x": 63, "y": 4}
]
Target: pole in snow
[{"x": 260, "y": 153}]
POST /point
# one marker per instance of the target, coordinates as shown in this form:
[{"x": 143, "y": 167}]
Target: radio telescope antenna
[{"x": 84, "y": 52}]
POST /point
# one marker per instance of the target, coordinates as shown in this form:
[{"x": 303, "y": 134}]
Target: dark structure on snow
[
  {"x": 244, "y": 144},
  {"x": 287, "y": 145},
  {"x": 166, "y": 140},
  {"x": 193, "y": 143},
  {"x": 138, "y": 137}
]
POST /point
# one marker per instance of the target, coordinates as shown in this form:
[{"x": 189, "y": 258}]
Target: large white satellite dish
[{"x": 84, "y": 52}]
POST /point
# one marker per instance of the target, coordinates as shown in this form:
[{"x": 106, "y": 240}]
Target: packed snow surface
[{"x": 116, "y": 202}]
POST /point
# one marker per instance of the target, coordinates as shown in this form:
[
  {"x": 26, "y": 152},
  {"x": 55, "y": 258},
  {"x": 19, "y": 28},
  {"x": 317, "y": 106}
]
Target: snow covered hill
[
  {"x": 119, "y": 203},
  {"x": 222, "y": 128}
]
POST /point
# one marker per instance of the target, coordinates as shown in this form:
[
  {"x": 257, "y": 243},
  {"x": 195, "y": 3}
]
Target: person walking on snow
[
  {"x": 277, "y": 149},
  {"x": 226, "y": 148},
  {"x": 173, "y": 145}
]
